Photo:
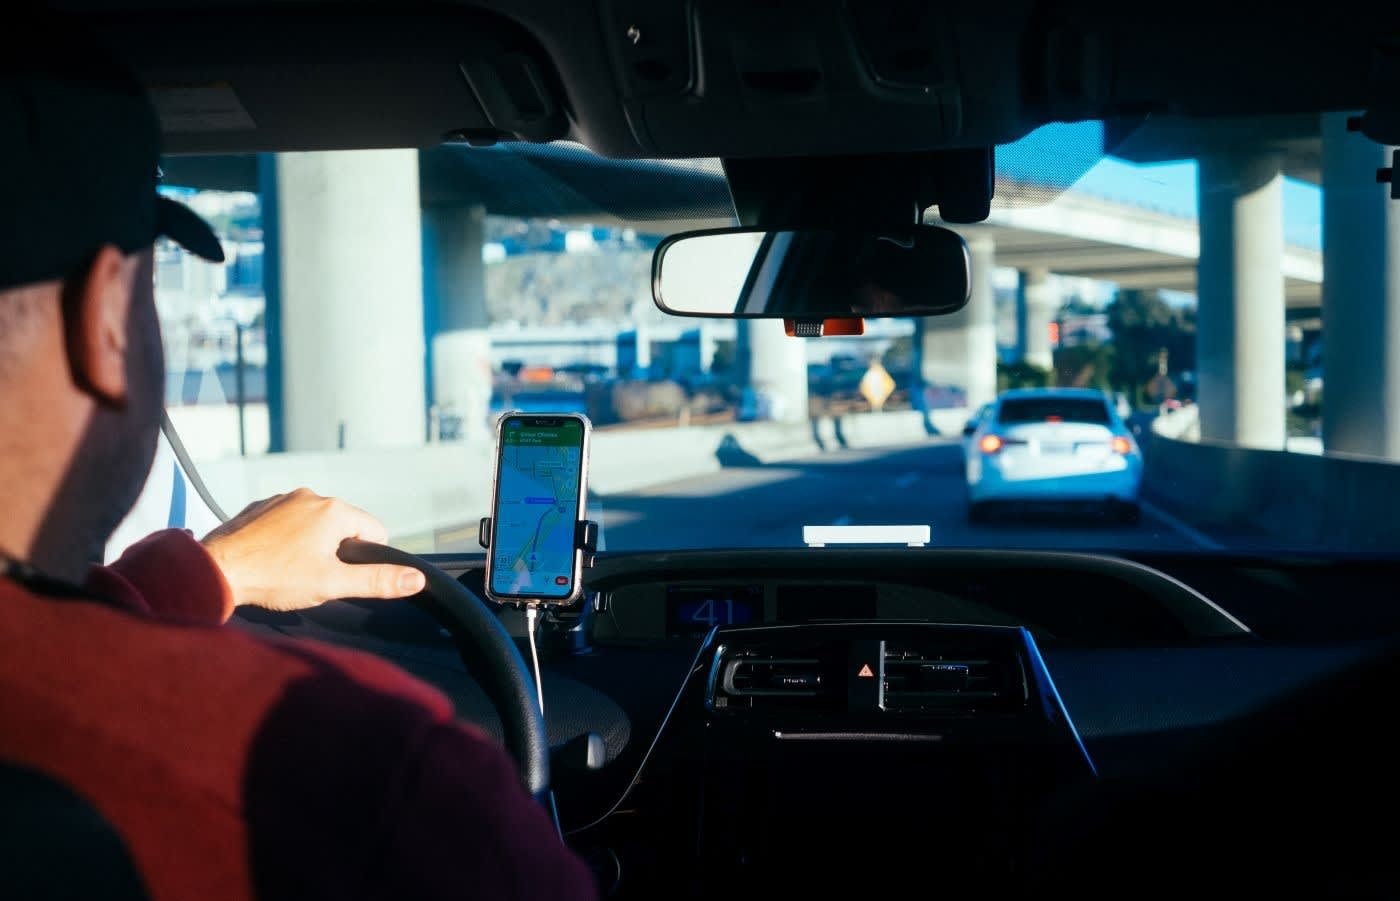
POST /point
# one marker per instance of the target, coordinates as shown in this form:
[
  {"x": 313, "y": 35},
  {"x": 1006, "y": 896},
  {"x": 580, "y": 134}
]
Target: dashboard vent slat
[
  {"x": 773, "y": 677},
  {"x": 755, "y": 680},
  {"x": 925, "y": 680}
]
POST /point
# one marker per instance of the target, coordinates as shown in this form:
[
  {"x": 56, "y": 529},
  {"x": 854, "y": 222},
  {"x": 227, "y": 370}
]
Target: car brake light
[
  {"x": 1122, "y": 445},
  {"x": 990, "y": 444}
]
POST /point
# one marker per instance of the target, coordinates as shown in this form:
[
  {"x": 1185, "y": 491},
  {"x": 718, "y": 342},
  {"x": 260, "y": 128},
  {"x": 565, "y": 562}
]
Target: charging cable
[{"x": 532, "y": 614}]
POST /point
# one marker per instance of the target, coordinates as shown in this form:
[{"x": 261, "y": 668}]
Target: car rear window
[{"x": 1053, "y": 409}]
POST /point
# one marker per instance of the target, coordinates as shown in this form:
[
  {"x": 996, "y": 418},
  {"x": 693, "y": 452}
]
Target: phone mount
[
  {"x": 563, "y": 630},
  {"x": 585, "y": 538}
]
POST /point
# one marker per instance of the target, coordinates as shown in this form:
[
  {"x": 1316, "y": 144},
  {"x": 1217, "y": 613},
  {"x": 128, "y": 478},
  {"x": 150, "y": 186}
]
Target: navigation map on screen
[{"x": 537, "y": 508}]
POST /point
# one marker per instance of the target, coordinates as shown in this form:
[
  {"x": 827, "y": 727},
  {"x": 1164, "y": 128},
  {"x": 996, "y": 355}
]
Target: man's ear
[{"x": 97, "y": 310}]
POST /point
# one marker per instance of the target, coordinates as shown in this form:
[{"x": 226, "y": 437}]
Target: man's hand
[{"x": 280, "y": 554}]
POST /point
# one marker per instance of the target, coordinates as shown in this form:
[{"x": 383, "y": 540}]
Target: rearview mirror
[{"x": 803, "y": 274}]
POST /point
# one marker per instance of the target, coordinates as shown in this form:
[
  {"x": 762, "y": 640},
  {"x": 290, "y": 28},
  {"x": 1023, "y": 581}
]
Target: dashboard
[
  {"x": 1060, "y": 597},
  {"x": 917, "y": 744},
  {"x": 691, "y": 609},
  {"x": 752, "y": 704}
]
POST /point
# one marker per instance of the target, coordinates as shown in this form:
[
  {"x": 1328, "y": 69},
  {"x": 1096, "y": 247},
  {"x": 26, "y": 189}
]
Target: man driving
[{"x": 231, "y": 767}]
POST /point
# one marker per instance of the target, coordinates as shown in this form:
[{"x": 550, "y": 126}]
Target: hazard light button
[{"x": 865, "y": 666}]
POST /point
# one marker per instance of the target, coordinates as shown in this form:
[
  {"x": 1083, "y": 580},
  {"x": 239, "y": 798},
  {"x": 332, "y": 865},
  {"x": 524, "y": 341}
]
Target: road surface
[{"x": 766, "y": 506}]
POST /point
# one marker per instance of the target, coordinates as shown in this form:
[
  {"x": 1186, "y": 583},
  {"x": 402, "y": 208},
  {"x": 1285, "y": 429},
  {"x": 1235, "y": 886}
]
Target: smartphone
[{"x": 537, "y": 502}]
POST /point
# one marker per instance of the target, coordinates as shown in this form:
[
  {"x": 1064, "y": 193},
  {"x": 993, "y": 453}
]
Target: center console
[{"x": 798, "y": 757}]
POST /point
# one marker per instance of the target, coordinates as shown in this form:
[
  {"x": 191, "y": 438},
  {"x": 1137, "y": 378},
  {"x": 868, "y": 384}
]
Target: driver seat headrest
[{"x": 55, "y": 845}]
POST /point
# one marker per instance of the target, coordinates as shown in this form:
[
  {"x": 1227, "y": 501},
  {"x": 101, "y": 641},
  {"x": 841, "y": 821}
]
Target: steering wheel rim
[{"x": 487, "y": 651}]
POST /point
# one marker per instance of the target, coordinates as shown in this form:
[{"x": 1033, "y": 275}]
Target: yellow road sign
[{"x": 876, "y": 386}]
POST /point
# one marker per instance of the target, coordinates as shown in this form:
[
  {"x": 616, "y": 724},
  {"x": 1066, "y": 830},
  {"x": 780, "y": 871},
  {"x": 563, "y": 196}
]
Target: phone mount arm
[
  {"x": 564, "y": 630},
  {"x": 585, "y": 537}
]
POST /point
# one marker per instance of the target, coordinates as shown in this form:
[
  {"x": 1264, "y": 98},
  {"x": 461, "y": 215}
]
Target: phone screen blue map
[{"x": 537, "y": 508}]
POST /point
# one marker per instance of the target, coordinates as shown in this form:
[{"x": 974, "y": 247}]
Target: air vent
[
  {"x": 925, "y": 680},
  {"x": 755, "y": 680}
]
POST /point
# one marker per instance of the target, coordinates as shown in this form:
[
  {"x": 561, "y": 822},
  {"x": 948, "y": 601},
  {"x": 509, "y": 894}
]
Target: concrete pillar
[
  {"x": 454, "y": 286},
  {"x": 350, "y": 299},
  {"x": 634, "y": 352},
  {"x": 705, "y": 339},
  {"x": 1360, "y": 296},
  {"x": 1036, "y": 306},
  {"x": 960, "y": 351},
  {"x": 777, "y": 368},
  {"x": 1240, "y": 318}
]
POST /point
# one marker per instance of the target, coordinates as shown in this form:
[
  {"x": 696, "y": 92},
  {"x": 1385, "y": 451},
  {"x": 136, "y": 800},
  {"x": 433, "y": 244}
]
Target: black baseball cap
[{"x": 79, "y": 160}]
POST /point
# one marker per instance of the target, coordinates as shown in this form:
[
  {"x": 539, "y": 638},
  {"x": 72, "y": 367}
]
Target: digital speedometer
[{"x": 696, "y": 609}]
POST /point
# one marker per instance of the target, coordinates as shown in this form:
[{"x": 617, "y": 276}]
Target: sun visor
[{"x": 361, "y": 78}]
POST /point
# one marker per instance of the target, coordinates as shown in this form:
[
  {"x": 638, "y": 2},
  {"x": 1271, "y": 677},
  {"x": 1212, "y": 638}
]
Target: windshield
[{"x": 379, "y": 310}]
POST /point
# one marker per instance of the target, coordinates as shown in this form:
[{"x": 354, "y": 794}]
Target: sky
[{"x": 1064, "y": 154}]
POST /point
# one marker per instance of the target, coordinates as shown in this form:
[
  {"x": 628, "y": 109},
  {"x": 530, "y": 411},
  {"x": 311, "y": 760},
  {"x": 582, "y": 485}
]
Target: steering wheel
[{"x": 488, "y": 652}]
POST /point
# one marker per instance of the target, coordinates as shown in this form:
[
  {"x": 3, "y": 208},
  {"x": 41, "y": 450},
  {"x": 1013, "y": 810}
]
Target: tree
[
  {"x": 1088, "y": 365},
  {"x": 1023, "y": 375},
  {"x": 1144, "y": 325},
  {"x": 1077, "y": 305}
]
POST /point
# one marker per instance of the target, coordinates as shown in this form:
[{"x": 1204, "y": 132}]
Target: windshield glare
[{"x": 380, "y": 309}]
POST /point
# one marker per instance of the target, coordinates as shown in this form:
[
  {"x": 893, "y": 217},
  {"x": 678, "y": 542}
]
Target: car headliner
[{"x": 331, "y": 75}]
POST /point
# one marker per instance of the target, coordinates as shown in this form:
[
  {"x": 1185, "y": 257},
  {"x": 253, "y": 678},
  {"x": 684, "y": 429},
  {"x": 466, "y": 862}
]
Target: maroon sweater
[{"x": 237, "y": 768}]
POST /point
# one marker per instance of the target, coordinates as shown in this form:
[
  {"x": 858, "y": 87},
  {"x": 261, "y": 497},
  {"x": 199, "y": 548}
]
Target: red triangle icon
[{"x": 866, "y": 672}]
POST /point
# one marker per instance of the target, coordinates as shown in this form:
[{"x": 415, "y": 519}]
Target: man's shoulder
[
  {"x": 260, "y": 742},
  {"x": 123, "y": 676}
]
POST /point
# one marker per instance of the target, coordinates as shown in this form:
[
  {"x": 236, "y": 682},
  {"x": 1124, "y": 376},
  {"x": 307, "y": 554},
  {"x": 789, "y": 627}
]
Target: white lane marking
[
  {"x": 1191, "y": 534},
  {"x": 906, "y": 480},
  {"x": 842, "y": 521}
]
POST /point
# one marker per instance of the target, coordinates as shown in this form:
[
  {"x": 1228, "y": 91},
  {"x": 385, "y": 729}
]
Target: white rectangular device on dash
[{"x": 538, "y": 498}]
